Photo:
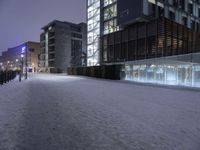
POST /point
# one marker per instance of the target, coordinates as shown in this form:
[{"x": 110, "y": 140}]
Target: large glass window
[
  {"x": 169, "y": 71},
  {"x": 105, "y": 49},
  {"x": 151, "y": 46},
  {"x": 93, "y": 32},
  {"x": 110, "y": 26},
  {"x": 141, "y": 48},
  {"x": 190, "y": 8},
  {"x": 108, "y": 2},
  {"x": 110, "y": 12}
]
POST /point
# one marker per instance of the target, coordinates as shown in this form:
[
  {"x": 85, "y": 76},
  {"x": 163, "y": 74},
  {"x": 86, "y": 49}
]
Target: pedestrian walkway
[{"x": 58, "y": 112}]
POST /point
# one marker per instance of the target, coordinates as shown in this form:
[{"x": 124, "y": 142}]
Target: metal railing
[{"x": 6, "y": 76}]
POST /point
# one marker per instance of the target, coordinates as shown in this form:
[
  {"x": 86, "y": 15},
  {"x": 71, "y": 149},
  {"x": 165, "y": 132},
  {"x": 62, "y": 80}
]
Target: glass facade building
[
  {"x": 159, "y": 51},
  {"x": 145, "y": 40},
  {"x": 143, "y": 36},
  {"x": 101, "y": 19}
]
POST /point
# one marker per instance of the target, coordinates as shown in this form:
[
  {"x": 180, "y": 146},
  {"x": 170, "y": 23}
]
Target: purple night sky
[{"x": 21, "y": 20}]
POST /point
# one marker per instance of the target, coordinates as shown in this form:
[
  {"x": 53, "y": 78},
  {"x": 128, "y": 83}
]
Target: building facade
[
  {"x": 148, "y": 37},
  {"x": 63, "y": 45},
  {"x": 146, "y": 40},
  {"x": 107, "y": 16},
  {"x": 101, "y": 19},
  {"x": 12, "y": 60}
]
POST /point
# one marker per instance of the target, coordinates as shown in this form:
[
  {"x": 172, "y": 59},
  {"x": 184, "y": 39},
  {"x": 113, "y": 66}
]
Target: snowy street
[{"x": 57, "y": 112}]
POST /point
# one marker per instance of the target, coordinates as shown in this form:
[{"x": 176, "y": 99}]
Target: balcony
[
  {"x": 51, "y": 42},
  {"x": 51, "y": 57},
  {"x": 51, "y": 49},
  {"x": 51, "y": 35},
  {"x": 52, "y": 52},
  {"x": 51, "y": 63}
]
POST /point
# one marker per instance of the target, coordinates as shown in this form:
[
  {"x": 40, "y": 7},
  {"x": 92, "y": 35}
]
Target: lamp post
[
  {"x": 1, "y": 66},
  {"x": 25, "y": 50},
  {"x": 16, "y": 63},
  {"x": 7, "y": 66},
  {"x": 22, "y": 67},
  {"x": 26, "y": 65}
]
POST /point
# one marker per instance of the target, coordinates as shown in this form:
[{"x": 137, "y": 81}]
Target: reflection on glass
[{"x": 163, "y": 72}]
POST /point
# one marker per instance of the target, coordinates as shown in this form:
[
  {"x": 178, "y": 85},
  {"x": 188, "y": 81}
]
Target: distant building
[
  {"x": 155, "y": 41},
  {"x": 11, "y": 59},
  {"x": 63, "y": 45}
]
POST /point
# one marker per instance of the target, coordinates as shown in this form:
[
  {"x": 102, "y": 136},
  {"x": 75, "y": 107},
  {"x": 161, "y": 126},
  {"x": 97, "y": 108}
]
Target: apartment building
[{"x": 63, "y": 45}]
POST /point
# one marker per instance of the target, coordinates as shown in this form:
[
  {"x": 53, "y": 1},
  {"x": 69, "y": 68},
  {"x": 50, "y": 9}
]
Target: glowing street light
[
  {"x": 24, "y": 51},
  {"x": 7, "y": 65},
  {"x": 17, "y": 63},
  {"x": 22, "y": 55}
]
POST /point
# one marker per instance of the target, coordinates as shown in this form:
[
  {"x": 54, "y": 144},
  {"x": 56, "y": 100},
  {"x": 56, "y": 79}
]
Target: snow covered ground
[{"x": 57, "y": 112}]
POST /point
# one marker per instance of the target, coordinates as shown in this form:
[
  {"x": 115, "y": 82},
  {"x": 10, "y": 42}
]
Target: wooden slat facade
[{"x": 158, "y": 38}]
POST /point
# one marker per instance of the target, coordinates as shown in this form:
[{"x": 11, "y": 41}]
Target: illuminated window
[
  {"x": 110, "y": 12},
  {"x": 93, "y": 32},
  {"x": 108, "y": 2},
  {"x": 110, "y": 26}
]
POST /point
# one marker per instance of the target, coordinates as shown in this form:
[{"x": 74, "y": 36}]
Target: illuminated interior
[
  {"x": 108, "y": 2},
  {"x": 93, "y": 32},
  {"x": 110, "y": 16},
  {"x": 163, "y": 71}
]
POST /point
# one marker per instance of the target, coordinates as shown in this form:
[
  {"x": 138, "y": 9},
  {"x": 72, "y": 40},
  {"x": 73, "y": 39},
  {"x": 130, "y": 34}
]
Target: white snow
[{"x": 57, "y": 112}]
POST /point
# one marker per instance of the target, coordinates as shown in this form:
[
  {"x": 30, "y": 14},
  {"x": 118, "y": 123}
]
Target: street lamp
[
  {"x": 22, "y": 67},
  {"x": 24, "y": 50},
  {"x": 16, "y": 64},
  {"x": 1, "y": 65},
  {"x": 7, "y": 66}
]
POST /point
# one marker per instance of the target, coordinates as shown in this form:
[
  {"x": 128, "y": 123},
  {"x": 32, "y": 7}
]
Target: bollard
[
  {"x": 7, "y": 76},
  {"x": 20, "y": 77},
  {"x": 4, "y": 77}
]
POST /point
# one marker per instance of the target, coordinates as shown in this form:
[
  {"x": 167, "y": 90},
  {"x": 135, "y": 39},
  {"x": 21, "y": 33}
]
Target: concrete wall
[
  {"x": 63, "y": 37},
  {"x": 62, "y": 47}
]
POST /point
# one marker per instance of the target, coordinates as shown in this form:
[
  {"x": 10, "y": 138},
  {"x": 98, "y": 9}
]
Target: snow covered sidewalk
[{"x": 57, "y": 112}]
